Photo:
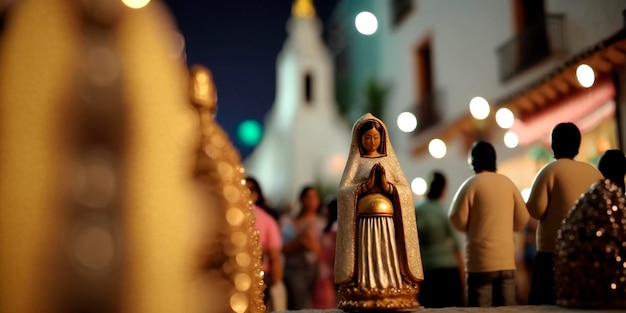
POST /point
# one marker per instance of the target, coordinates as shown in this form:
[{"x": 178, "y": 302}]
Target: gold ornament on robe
[
  {"x": 102, "y": 207},
  {"x": 377, "y": 261},
  {"x": 374, "y": 204}
]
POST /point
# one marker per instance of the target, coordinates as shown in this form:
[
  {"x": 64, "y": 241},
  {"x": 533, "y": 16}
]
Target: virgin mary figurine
[{"x": 377, "y": 263}]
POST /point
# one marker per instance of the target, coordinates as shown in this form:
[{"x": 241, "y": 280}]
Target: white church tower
[{"x": 306, "y": 142}]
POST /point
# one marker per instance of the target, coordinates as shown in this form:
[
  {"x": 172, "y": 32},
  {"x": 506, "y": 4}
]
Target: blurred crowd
[
  {"x": 509, "y": 243},
  {"x": 298, "y": 250}
]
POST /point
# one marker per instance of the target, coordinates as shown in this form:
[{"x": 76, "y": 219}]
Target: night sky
[{"x": 239, "y": 42}]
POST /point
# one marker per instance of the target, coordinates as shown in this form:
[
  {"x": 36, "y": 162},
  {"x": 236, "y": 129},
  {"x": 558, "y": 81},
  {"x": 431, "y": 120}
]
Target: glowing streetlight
[
  {"x": 511, "y": 140},
  {"x": 479, "y": 107},
  {"x": 419, "y": 186},
  {"x": 505, "y": 118},
  {"x": 586, "y": 76},
  {"x": 136, "y": 4},
  {"x": 366, "y": 23},
  {"x": 407, "y": 122},
  {"x": 437, "y": 148}
]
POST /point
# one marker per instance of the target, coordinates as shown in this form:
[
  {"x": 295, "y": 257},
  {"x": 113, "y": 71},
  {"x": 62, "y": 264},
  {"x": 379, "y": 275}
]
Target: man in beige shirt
[
  {"x": 489, "y": 208},
  {"x": 554, "y": 191}
]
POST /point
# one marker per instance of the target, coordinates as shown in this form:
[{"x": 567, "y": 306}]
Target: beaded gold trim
[
  {"x": 357, "y": 298},
  {"x": 235, "y": 250}
]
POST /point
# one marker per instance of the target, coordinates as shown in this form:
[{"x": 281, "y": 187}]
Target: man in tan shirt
[
  {"x": 554, "y": 191},
  {"x": 489, "y": 208}
]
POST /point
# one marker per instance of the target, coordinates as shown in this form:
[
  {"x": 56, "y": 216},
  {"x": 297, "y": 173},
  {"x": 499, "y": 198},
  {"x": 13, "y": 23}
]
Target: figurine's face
[{"x": 370, "y": 141}]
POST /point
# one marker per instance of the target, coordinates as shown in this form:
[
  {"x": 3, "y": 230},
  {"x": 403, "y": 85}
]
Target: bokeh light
[
  {"x": 479, "y": 107},
  {"x": 407, "y": 122},
  {"x": 511, "y": 140},
  {"x": 366, "y": 23},
  {"x": 525, "y": 194},
  {"x": 586, "y": 76},
  {"x": 94, "y": 248},
  {"x": 437, "y": 148},
  {"x": 505, "y": 118},
  {"x": 250, "y": 132},
  {"x": 419, "y": 186},
  {"x": 178, "y": 46},
  {"x": 336, "y": 164},
  {"x": 136, "y": 4},
  {"x": 239, "y": 302}
]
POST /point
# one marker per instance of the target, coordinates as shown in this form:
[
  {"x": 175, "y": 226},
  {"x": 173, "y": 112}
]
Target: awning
[
  {"x": 583, "y": 108},
  {"x": 605, "y": 57}
]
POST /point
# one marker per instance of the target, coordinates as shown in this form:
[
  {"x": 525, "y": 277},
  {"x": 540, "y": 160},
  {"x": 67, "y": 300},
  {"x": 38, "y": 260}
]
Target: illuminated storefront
[
  {"x": 593, "y": 110},
  {"x": 593, "y": 103}
]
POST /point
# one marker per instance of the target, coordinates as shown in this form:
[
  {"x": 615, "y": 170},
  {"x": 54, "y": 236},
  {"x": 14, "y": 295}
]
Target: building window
[
  {"x": 531, "y": 44},
  {"x": 538, "y": 36},
  {"x": 426, "y": 105},
  {"x": 528, "y": 13},
  {"x": 400, "y": 9},
  {"x": 308, "y": 88},
  {"x": 424, "y": 68},
  {"x": 530, "y": 20}
]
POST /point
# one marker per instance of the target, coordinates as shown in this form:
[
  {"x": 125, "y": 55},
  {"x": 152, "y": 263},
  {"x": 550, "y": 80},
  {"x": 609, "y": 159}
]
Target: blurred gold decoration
[
  {"x": 219, "y": 167},
  {"x": 590, "y": 256},
  {"x": 202, "y": 90},
  {"x": 99, "y": 210},
  {"x": 303, "y": 8}
]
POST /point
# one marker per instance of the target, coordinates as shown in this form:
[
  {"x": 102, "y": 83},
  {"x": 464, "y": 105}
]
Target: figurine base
[{"x": 356, "y": 298}]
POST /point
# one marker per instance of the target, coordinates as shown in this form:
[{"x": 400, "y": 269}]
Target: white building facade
[
  {"x": 306, "y": 141},
  {"x": 434, "y": 56}
]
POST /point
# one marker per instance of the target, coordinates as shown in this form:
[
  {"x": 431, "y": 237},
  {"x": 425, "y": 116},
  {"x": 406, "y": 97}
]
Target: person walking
[
  {"x": 554, "y": 190},
  {"x": 444, "y": 274},
  {"x": 302, "y": 251},
  {"x": 271, "y": 245},
  {"x": 325, "y": 291},
  {"x": 612, "y": 165},
  {"x": 489, "y": 208}
]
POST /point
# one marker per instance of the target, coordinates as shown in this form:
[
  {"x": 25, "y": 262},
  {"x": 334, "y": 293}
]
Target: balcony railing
[{"x": 532, "y": 46}]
